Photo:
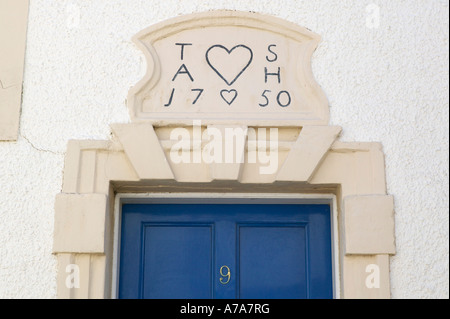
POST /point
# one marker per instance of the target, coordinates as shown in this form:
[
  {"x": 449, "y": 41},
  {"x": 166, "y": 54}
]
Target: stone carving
[{"x": 226, "y": 66}]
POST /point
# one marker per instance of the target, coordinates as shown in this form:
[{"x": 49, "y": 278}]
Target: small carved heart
[{"x": 229, "y": 95}]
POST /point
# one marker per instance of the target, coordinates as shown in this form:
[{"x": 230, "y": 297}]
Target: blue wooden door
[{"x": 201, "y": 251}]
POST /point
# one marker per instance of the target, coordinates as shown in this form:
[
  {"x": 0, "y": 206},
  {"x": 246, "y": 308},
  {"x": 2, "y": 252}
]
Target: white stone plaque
[{"x": 226, "y": 66}]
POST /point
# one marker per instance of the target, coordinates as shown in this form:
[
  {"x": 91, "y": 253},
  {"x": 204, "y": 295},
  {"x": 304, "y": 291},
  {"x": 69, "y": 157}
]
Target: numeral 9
[{"x": 225, "y": 273}]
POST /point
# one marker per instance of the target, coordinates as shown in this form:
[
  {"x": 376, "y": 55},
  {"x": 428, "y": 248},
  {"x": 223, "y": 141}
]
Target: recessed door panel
[
  {"x": 273, "y": 262},
  {"x": 169, "y": 270}
]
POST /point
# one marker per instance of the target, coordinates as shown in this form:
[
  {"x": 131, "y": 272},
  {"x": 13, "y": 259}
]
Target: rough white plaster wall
[{"x": 387, "y": 84}]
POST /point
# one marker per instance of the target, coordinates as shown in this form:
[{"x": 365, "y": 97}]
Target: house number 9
[{"x": 226, "y": 275}]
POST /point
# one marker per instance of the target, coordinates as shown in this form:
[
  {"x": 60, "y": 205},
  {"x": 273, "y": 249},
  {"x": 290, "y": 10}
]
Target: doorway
[{"x": 246, "y": 250}]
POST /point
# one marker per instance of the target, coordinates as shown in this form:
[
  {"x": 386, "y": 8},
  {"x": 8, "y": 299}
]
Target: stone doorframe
[
  {"x": 136, "y": 160},
  {"x": 310, "y": 158}
]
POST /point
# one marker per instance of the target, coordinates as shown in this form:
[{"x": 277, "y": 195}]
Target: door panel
[
  {"x": 272, "y": 262},
  {"x": 168, "y": 270},
  {"x": 264, "y": 251}
]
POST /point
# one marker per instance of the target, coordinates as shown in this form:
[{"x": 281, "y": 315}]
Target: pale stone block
[
  {"x": 366, "y": 277},
  {"x": 80, "y": 222},
  {"x": 81, "y": 276},
  {"x": 13, "y": 31},
  {"x": 113, "y": 166},
  {"x": 10, "y": 100},
  {"x": 83, "y": 262},
  {"x": 64, "y": 283},
  {"x": 192, "y": 172},
  {"x": 337, "y": 168},
  {"x": 378, "y": 176},
  {"x": 224, "y": 170},
  {"x": 97, "y": 274},
  {"x": 308, "y": 152},
  {"x": 73, "y": 276},
  {"x": 88, "y": 167},
  {"x": 261, "y": 173},
  {"x": 72, "y": 167},
  {"x": 81, "y": 165},
  {"x": 144, "y": 151},
  {"x": 357, "y": 167},
  {"x": 369, "y": 224}
]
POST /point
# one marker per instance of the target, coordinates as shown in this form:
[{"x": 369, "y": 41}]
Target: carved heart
[
  {"x": 228, "y": 95},
  {"x": 229, "y": 64}
]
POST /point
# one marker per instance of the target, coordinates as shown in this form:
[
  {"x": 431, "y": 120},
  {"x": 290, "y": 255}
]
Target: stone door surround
[{"x": 310, "y": 157}]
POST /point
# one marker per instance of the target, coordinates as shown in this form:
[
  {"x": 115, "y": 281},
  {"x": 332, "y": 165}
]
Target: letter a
[{"x": 182, "y": 70}]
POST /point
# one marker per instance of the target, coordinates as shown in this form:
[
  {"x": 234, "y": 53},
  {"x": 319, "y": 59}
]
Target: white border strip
[{"x": 225, "y": 198}]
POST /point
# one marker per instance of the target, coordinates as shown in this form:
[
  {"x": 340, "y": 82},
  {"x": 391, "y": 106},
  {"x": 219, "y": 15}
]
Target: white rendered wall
[{"x": 386, "y": 80}]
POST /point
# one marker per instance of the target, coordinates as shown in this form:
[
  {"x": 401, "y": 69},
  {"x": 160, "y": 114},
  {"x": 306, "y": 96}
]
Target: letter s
[{"x": 275, "y": 56}]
